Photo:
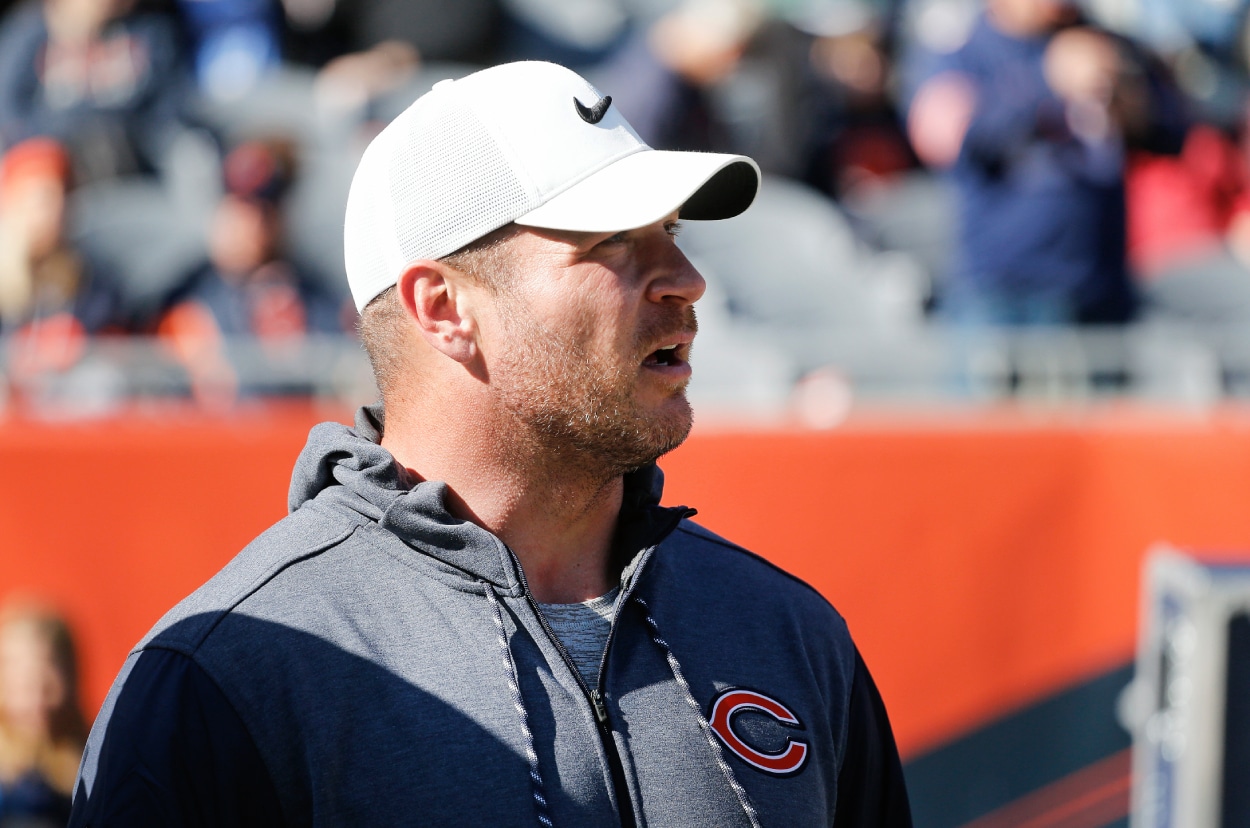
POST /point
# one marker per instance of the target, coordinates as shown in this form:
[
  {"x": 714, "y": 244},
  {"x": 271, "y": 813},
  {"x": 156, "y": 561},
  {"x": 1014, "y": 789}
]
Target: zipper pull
[{"x": 601, "y": 712}]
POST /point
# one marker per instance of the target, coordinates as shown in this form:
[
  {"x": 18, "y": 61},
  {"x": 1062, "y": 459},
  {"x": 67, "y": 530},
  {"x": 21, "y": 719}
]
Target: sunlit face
[
  {"x": 242, "y": 237},
  {"x": 590, "y": 347},
  {"x": 30, "y": 685},
  {"x": 38, "y": 204},
  {"x": 1036, "y": 16}
]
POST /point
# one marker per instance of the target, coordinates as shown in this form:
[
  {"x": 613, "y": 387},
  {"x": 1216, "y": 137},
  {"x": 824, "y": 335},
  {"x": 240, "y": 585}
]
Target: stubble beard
[{"x": 580, "y": 411}]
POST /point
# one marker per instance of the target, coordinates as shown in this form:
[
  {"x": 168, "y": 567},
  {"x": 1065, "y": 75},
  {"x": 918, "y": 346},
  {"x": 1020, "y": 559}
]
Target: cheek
[
  {"x": 24, "y": 682},
  {"x": 588, "y": 320},
  {"x": 602, "y": 316},
  {"x": 591, "y": 313}
]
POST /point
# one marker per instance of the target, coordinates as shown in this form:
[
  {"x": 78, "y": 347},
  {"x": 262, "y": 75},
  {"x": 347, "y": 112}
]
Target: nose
[{"x": 677, "y": 282}]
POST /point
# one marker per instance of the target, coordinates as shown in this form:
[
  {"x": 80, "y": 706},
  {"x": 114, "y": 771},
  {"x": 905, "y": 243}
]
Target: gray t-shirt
[{"x": 583, "y": 630}]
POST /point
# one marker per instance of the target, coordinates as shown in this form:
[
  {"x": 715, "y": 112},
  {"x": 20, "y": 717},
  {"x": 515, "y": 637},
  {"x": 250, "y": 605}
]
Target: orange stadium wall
[{"x": 982, "y": 562}]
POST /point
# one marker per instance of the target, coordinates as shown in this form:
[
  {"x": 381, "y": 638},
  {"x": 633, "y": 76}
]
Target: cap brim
[{"x": 644, "y": 187}]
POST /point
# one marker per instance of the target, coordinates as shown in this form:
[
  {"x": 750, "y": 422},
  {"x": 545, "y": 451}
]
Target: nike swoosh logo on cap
[{"x": 593, "y": 114}]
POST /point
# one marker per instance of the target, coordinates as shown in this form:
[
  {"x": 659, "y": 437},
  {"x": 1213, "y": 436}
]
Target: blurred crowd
[{"x": 177, "y": 168}]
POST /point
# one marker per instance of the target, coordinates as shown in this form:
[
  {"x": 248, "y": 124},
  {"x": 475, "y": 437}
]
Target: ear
[{"x": 434, "y": 295}]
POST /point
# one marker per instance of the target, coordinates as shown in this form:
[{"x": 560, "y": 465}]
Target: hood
[{"x": 346, "y": 468}]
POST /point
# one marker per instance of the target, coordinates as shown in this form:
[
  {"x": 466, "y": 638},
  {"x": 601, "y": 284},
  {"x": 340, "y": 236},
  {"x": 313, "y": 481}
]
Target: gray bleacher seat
[
  {"x": 136, "y": 229},
  {"x": 389, "y": 105},
  {"x": 1209, "y": 289},
  {"x": 283, "y": 102},
  {"x": 736, "y": 368},
  {"x": 314, "y": 214},
  {"x": 913, "y": 213},
  {"x": 793, "y": 258},
  {"x": 791, "y": 266}
]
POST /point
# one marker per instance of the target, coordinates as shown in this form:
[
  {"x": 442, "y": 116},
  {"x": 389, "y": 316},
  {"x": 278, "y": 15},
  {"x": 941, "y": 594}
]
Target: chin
[{"x": 671, "y": 427}]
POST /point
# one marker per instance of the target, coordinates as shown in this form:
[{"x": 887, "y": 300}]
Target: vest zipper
[
  {"x": 601, "y": 712},
  {"x": 595, "y": 695},
  {"x": 624, "y": 805}
]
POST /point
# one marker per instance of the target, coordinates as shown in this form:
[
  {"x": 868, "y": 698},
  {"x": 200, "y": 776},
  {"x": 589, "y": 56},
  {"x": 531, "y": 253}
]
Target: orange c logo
[{"x": 730, "y": 703}]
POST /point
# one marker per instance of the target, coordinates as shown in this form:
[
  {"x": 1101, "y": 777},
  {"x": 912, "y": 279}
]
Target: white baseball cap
[{"x": 531, "y": 143}]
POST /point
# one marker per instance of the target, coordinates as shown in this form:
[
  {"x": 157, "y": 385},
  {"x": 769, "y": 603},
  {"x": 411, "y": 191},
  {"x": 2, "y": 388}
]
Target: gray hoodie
[{"x": 373, "y": 660}]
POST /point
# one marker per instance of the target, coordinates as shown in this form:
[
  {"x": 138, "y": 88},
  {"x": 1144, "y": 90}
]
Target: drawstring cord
[
  {"x": 717, "y": 753},
  {"x": 536, "y": 779},
  {"x": 540, "y": 800}
]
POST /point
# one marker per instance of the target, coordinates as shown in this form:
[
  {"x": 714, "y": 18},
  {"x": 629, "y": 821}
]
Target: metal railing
[{"x": 922, "y": 365}]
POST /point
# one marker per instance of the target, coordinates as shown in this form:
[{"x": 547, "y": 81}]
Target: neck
[{"x": 558, "y": 515}]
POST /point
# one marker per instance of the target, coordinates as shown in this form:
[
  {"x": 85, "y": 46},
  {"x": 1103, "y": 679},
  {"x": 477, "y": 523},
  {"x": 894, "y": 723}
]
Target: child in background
[{"x": 42, "y": 730}]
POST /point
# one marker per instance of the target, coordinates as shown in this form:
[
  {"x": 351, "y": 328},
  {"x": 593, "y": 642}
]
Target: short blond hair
[{"x": 382, "y": 325}]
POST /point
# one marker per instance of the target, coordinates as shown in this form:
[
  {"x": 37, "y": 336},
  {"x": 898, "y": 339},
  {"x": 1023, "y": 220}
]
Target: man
[
  {"x": 477, "y": 613},
  {"x": 1033, "y": 116}
]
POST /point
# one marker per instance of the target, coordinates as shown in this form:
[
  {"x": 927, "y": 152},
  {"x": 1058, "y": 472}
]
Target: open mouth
[{"x": 668, "y": 355}]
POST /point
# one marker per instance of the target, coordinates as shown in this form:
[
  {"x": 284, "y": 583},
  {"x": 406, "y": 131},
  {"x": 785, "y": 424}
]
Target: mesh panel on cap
[
  {"x": 369, "y": 254},
  {"x": 370, "y": 251},
  {"x": 450, "y": 184}
]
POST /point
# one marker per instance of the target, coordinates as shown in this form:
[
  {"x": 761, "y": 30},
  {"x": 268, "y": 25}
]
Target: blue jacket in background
[{"x": 1041, "y": 212}]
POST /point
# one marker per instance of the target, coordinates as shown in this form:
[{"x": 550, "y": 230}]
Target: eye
[
  {"x": 611, "y": 241},
  {"x": 673, "y": 228}
]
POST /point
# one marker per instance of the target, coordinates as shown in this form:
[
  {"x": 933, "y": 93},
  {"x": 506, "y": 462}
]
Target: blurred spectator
[
  {"x": 353, "y": 81},
  {"x": 42, "y": 730},
  {"x": 662, "y": 77},
  {"x": 314, "y": 32},
  {"x": 1189, "y": 230},
  {"x": 460, "y": 31},
  {"x": 858, "y": 140},
  {"x": 51, "y": 294},
  {"x": 234, "y": 43},
  {"x": 1033, "y": 115},
  {"x": 578, "y": 35},
  {"x": 247, "y": 289},
  {"x": 1172, "y": 24},
  {"x": 1181, "y": 206},
  {"x": 104, "y": 79},
  {"x": 802, "y": 88},
  {"x": 390, "y": 39}
]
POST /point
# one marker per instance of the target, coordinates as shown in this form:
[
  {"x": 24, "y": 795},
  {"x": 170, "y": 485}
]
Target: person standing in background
[
  {"x": 1032, "y": 117},
  {"x": 107, "y": 80},
  {"x": 42, "y": 729},
  {"x": 53, "y": 295}
]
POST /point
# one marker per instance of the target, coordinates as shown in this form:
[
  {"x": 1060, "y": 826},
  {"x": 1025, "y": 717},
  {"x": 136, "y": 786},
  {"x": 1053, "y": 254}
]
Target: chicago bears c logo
[{"x": 730, "y": 703}]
